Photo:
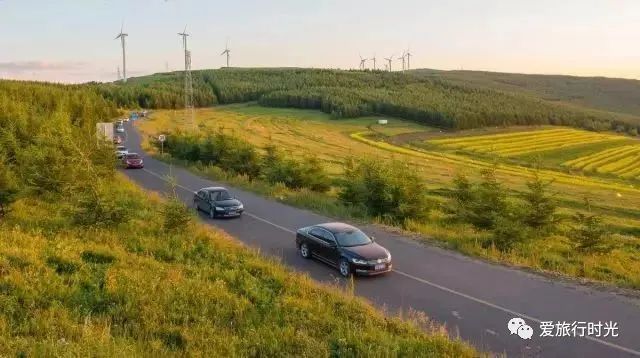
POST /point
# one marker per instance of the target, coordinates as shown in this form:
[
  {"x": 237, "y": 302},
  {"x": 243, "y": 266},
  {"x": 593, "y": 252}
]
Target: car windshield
[
  {"x": 133, "y": 156},
  {"x": 352, "y": 238},
  {"x": 222, "y": 195}
]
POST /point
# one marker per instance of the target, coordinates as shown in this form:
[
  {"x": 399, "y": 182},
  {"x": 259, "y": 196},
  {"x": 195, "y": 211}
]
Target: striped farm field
[
  {"x": 621, "y": 161},
  {"x": 525, "y": 142}
]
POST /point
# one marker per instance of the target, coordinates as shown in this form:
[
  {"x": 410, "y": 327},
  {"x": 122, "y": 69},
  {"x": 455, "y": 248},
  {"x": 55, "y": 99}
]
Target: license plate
[
  {"x": 232, "y": 212},
  {"x": 380, "y": 267}
]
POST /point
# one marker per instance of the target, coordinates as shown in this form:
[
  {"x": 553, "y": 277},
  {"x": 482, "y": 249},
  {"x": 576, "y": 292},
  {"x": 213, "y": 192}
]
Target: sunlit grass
[
  {"x": 136, "y": 290},
  {"x": 302, "y": 132}
]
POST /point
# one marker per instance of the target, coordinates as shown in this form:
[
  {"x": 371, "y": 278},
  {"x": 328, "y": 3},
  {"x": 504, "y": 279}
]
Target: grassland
[
  {"x": 526, "y": 142},
  {"x": 303, "y": 132},
  {"x": 587, "y": 152},
  {"x": 608, "y": 94},
  {"x": 135, "y": 289},
  {"x": 619, "y": 161}
]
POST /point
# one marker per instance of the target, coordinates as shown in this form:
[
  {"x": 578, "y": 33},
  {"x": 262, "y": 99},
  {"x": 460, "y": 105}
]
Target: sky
[{"x": 73, "y": 40}]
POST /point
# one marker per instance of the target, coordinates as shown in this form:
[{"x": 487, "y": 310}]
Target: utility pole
[{"x": 188, "y": 80}]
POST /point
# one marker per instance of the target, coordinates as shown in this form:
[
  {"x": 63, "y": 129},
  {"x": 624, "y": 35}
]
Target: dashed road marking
[{"x": 433, "y": 284}]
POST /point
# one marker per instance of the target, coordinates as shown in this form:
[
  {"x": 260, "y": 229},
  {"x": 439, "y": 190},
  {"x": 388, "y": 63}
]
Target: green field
[
  {"x": 527, "y": 142},
  {"x": 303, "y": 133},
  {"x": 607, "y": 94},
  {"x": 621, "y": 161},
  {"x": 580, "y": 151}
]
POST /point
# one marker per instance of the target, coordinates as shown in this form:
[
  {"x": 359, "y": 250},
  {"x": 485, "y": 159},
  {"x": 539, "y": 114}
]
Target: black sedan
[
  {"x": 217, "y": 202},
  {"x": 344, "y": 247}
]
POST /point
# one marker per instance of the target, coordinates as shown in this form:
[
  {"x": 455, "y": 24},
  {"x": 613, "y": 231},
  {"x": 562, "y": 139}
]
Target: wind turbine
[
  {"x": 226, "y": 51},
  {"x": 184, "y": 36},
  {"x": 374, "y": 61},
  {"x": 362, "y": 62},
  {"x": 122, "y": 37},
  {"x": 389, "y": 59},
  {"x": 403, "y": 57},
  {"x": 408, "y": 54}
]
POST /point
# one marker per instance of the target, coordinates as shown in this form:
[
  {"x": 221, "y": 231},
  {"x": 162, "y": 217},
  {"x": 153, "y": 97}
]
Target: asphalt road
[{"x": 472, "y": 298}]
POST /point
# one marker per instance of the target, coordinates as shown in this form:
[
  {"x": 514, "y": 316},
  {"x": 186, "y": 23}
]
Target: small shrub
[
  {"x": 8, "y": 187},
  {"x": 590, "y": 234},
  {"x": 480, "y": 204},
  {"x": 509, "y": 231},
  {"x": 539, "y": 209},
  {"x": 62, "y": 266},
  {"x": 177, "y": 216},
  {"x": 96, "y": 206},
  {"x": 94, "y": 257},
  {"x": 292, "y": 173},
  {"x": 173, "y": 340},
  {"x": 387, "y": 189}
]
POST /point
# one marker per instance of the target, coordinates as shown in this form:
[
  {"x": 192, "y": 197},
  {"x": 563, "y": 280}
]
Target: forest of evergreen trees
[{"x": 346, "y": 94}]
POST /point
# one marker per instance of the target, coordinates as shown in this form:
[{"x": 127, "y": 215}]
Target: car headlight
[
  {"x": 358, "y": 261},
  {"x": 388, "y": 256},
  {"x": 240, "y": 207},
  {"x": 219, "y": 208}
]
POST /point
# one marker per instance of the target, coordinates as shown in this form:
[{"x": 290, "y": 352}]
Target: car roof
[
  {"x": 214, "y": 188},
  {"x": 336, "y": 227}
]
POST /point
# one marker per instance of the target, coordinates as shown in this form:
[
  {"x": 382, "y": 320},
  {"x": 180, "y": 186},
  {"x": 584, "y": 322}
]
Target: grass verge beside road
[{"x": 138, "y": 288}]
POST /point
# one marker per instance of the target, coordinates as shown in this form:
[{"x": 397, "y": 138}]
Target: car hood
[
  {"x": 371, "y": 251},
  {"x": 228, "y": 203}
]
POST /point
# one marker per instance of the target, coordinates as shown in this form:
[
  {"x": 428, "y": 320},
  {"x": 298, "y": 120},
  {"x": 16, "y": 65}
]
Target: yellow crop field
[
  {"x": 519, "y": 143},
  {"x": 300, "y": 132},
  {"x": 621, "y": 161}
]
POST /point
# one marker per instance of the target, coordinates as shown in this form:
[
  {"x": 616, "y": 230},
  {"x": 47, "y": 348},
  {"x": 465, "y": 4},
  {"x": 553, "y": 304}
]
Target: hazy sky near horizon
[{"x": 73, "y": 40}]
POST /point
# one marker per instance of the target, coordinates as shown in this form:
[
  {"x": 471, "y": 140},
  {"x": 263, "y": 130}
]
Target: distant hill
[
  {"x": 423, "y": 97},
  {"x": 602, "y": 93}
]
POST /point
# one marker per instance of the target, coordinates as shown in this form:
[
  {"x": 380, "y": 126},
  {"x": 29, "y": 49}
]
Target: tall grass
[{"x": 139, "y": 289}]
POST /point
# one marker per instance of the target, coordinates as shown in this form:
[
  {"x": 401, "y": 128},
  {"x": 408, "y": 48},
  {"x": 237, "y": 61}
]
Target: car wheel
[
  {"x": 305, "y": 251},
  {"x": 212, "y": 214},
  {"x": 345, "y": 268}
]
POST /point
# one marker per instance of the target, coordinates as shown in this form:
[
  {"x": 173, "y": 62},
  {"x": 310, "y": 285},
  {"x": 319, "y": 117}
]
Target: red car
[{"x": 133, "y": 160}]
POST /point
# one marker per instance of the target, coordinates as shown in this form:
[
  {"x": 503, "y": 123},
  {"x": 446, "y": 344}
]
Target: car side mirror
[{"x": 373, "y": 238}]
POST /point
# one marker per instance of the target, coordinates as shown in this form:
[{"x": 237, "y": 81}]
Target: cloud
[{"x": 37, "y": 66}]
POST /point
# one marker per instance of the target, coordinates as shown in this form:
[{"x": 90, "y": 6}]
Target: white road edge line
[{"x": 432, "y": 284}]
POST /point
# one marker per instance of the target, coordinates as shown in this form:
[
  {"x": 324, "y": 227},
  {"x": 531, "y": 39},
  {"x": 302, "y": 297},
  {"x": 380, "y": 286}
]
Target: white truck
[{"x": 104, "y": 131}]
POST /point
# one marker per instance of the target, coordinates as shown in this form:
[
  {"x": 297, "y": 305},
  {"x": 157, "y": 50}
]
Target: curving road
[{"x": 473, "y": 298}]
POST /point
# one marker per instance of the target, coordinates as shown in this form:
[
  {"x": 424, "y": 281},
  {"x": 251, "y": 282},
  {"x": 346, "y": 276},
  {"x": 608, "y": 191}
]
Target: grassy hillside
[
  {"x": 607, "y": 94},
  {"x": 304, "y": 134},
  {"x": 348, "y": 94},
  {"x": 91, "y": 265}
]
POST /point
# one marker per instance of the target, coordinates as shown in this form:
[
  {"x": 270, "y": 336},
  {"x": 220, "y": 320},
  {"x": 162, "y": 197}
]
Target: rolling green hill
[
  {"x": 607, "y": 94},
  {"x": 348, "y": 94}
]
